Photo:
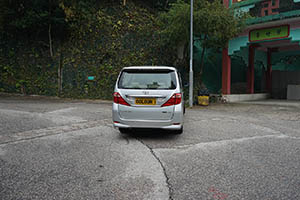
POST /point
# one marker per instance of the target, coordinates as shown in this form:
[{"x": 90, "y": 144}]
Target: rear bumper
[
  {"x": 175, "y": 123},
  {"x": 145, "y": 124}
]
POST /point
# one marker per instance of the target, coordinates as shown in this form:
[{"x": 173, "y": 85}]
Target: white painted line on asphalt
[
  {"x": 14, "y": 112},
  {"x": 33, "y": 134},
  {"x": 265, "y": 129},
  {"x": 60, "y": 111},
  {"x": 226, "y": 142},
  {"x": 55, "y": 116}
]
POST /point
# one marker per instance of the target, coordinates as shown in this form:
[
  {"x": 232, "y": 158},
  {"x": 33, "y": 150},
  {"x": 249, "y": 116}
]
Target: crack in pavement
[
  {"x": 162, "y": 166},
  {"x": 34, "y": 134}
]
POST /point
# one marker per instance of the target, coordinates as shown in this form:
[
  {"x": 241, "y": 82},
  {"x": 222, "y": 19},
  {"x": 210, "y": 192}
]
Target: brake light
[
  {"x": 174, "y": 100},
  {"x": 119, "y": 100}
]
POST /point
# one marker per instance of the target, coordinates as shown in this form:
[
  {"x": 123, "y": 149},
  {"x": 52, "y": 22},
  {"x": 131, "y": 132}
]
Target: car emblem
[{"x": 145, "y": 92}]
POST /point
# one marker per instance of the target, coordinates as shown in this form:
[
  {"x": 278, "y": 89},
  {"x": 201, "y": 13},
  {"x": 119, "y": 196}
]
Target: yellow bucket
[{"x": 203, "y": 100}]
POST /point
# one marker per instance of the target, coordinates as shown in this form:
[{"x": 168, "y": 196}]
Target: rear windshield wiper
[{"x": 130, "y": 88}]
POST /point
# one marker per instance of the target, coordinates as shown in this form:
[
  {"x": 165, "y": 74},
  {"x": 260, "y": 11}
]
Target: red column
[
  {"x": 226, "y": 65},
  {"x": 226, "y": 72},
  {"x": 269, "y": 72},
  {"x": 250, "y": 75},
  {"x": 226, "y": 3}
]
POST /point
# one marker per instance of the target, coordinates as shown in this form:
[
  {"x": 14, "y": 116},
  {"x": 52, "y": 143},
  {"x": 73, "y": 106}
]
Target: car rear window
[{"x": 148, "y": 79}]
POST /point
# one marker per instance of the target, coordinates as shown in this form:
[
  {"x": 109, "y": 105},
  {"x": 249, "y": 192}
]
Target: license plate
[{"x": 145, "y": 101}]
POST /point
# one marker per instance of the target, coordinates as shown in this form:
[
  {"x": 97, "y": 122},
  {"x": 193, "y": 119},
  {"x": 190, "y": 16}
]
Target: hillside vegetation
[{"x": 51, "y": 49}]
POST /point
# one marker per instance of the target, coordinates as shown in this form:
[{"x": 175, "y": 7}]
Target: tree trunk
[
  {"x": 49, "y": 31},
  {"x": 124, "y": 2},
  {"x": 166, "y": 4},
  {"x": 202, "y": 61},
  {"x": 60, "y": 74},
  {"x": 202, "y": 58},
  {"x": 50, "y": 41}
]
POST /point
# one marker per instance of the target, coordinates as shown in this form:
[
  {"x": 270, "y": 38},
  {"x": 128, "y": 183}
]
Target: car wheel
[
  {"x": 178, "y": 132},
  {"x": 124, "y": 130}
]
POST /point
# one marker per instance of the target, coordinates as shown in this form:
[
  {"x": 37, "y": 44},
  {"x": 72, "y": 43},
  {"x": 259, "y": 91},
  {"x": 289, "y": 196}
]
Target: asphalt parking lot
[{"x": 67, "y": 149}]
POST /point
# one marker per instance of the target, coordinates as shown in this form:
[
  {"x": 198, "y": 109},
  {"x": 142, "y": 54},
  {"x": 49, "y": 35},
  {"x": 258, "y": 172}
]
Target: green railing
[{"x": 281, "y": 16}]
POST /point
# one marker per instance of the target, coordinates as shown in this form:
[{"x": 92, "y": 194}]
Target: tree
[
  {"x": 214, "y": 25},
  {"x": 34, "y": 20}
]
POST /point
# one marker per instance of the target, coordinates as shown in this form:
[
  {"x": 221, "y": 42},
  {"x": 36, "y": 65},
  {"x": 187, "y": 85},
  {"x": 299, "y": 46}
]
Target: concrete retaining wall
[
  {"x": 280, "y": 82},
  {"x": 293, "y": 92},
  {"x": 245, "y": 97}
]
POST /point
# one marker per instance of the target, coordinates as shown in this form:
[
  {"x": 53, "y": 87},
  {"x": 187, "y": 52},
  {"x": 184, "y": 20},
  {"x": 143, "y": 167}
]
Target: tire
[
  {"x": 124, "y": 130},
  {"x": 178, "y": 132}
]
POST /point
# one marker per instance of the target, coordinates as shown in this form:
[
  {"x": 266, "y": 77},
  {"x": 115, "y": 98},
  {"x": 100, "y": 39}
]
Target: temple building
[{"x": 265, "y": 57}]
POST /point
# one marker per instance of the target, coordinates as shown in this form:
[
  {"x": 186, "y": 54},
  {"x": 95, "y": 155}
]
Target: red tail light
[
  {"x": 174, "y": 100},
  {"x": 119, "y": 100}
]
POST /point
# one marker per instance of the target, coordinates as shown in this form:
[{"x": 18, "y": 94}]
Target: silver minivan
[{"x": 148, "y": 97}]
